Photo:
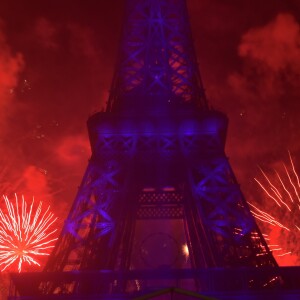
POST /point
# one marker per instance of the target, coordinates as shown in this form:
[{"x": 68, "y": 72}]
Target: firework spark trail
[
  {"x": 24, "y": 235},
  {"x": 276, "y": 192},
  {"x": 293, "y": 167},
  {"x": 261, "y": 185},
  {"x": 284, "y": 186},
  {"x": 265, "y": 217}
]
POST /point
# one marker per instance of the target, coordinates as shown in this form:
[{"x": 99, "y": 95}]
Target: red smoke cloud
[
  {"x": 31, "y": 181},
  {"x": 276, "y": 45},
  {"x": 267, "y": 93},
  {"x": 269, "y": 83},
  {"x": 73, "y": 149},
  {"x": 35, "y": 182},
  {"x": 11, "y": 64},
  {"x": 271, "y": 57},
  {"x": 47, "y": 33},
  {"x": 83, "y": 41}
]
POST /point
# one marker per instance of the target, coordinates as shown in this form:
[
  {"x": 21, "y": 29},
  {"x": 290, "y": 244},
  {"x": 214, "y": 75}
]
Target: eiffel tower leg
[
  {"x": 98, "y": 216},
  {"x": 234, "y": 237}
]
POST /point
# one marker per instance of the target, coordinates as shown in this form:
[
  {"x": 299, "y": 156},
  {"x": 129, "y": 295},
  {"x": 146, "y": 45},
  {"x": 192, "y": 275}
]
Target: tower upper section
[{"x": 157, "y": 67}]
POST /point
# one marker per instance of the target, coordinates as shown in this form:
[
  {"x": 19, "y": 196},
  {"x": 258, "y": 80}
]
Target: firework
[
  {"x": 25, "y": 233},
  {"x": 282, "y": 189}
]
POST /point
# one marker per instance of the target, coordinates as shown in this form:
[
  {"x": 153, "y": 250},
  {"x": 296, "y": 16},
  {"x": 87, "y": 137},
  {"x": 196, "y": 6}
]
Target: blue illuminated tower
[
  {"x": 159, "y": 209},
  {"x": 158, "y": 174}
]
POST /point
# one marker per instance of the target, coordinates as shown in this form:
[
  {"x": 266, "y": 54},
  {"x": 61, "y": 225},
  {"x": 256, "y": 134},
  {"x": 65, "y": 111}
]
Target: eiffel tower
[{"x": 159, "y": 209}]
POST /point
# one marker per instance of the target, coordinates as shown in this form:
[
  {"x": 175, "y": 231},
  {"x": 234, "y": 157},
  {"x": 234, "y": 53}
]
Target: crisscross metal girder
[
  {"x": 216, "y": 170},
  {"x": 91, "y": 215},
  {"x": 119, "y": 143},
  {"x": 157, "y": 55},
  {"x": 218, "y": 188},
  {"x": 163, "y": 142},
  {"x": 224, "y": 212},
  {"x": 201, "y": 143}
]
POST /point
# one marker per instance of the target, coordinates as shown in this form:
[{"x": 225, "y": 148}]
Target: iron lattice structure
[
  {"x": 156, "y": 58},
  {"x": 159, "y": 204}
]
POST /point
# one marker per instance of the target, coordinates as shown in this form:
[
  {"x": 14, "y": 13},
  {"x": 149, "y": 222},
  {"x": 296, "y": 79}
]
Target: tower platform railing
[{"x": 216, "y": 282}]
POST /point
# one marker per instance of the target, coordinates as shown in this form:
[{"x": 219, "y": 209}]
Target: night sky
[{"x": 56, "y": 63}]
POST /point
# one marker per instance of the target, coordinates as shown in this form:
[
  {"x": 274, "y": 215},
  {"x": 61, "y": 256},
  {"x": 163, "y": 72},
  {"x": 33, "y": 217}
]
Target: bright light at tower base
[{"x": 185, "y": 251}]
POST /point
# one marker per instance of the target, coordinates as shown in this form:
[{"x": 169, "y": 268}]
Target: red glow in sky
[{"x": 56, "y": 65}]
